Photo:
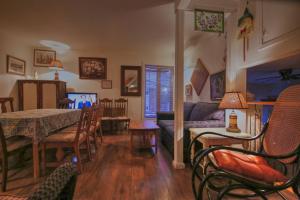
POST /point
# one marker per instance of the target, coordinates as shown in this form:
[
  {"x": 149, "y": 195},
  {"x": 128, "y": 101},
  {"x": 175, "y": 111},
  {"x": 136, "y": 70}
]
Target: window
[{"x": 158, "y": 90}]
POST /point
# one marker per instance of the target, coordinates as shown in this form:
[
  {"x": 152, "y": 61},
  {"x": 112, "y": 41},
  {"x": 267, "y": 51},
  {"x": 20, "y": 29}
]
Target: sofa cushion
[
  {"x": 203, "y": 124},
  {"x": 188, "y": 107},
  {"x": 217, "y": 115},
  {"x": 201, "y": 110}
]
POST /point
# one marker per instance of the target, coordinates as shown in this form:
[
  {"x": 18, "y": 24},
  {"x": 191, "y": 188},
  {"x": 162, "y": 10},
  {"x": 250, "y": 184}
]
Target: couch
[{"x": 196, "y": 115}]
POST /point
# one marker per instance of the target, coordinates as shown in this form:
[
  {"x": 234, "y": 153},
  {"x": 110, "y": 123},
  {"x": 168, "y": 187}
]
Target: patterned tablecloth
[{"x": 37, "y": 124}]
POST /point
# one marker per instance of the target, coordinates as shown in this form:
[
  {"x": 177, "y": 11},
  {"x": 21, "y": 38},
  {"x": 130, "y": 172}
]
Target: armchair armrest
[
  {"x": 164, "y": 116},
  {"x": 226, "y": 136}
]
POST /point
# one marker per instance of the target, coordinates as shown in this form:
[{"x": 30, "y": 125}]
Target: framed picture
[
  {"x": 199, "y": 77},
  {"x": 188, "y": 90},
  {"x": 217, "y": 86},
  {"x": 131, "y": 80},
  {"x": 106, "y": 84},
  {"x": 15, "y": 65},
  {"x": 92, "y": 68},
  {"x": 43, "y": 58},
  {"x": 209, "y": 21}
]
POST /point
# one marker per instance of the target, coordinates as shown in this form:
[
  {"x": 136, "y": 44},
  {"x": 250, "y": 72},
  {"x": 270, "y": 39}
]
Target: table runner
[{"x": 37, "y": 123}]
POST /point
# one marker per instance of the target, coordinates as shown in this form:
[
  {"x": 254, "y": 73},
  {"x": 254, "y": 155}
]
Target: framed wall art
[
  {"x": 92, "y": 68},
  {"x": 15, "y": 65},
  {"x": 43, "y": 58},
  {"x": 199, "y": 77},
  {"x": 217, "y": 86},
  {"x": 209, "y": 21},
  {"x": 131, "y": 80},
  {"x": 106, "y": 84}
]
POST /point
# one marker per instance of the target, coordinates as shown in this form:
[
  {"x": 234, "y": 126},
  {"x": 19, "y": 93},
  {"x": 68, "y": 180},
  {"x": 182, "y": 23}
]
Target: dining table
[{"x": 37, "y": 124}]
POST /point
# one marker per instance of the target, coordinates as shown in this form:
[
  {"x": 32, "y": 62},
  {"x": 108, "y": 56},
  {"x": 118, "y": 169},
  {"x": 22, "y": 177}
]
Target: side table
[{"x": 209, "y": 140}]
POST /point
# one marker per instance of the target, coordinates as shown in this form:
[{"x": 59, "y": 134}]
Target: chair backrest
[
  {"x": 107, "y": 105},
  {"x": 283, "y": 133},
  {"x": 96, "y": 114},
  {"x": 121, "y": 107},
  {"x": 59, "y": 185},
  {"x": 66, "y": 103},
  {"x": 84, "y": 122},
  {"x": 4, "y": 101}
]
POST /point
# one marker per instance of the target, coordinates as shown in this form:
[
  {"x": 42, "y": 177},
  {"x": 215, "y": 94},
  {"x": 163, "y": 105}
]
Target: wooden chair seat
[
  {"x": 12, "y": 197},
  {"x": 107, "y": 118},
  {"x": 17, "y": 143},
  {"x": 62, "y": 137}
]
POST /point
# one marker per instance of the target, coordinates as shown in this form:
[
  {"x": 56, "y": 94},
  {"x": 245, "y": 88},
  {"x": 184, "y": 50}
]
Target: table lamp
[
  {"x": 57, "y": 66},
  {"x": 233, "y": 100}
]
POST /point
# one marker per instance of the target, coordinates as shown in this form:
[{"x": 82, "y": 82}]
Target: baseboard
[{"x": 178, "y": 165}]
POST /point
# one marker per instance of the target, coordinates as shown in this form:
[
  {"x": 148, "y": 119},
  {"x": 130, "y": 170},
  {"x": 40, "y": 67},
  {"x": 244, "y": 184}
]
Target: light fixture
[
  {"x": 233, "y": 100},
  {"x": 57, "y": 66}
]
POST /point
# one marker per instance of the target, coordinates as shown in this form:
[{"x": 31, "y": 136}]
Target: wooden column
[{"x": 179, "y": 88}]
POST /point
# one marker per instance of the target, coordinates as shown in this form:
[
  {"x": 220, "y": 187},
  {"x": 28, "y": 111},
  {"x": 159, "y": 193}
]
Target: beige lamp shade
[
  {"x": 56, "y": 65},
  {"x": 233, "y": 100}
]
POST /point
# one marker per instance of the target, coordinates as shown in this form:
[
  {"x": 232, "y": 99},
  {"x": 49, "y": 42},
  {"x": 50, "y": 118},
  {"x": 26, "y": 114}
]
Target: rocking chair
[{"x": 229, "y": 169}]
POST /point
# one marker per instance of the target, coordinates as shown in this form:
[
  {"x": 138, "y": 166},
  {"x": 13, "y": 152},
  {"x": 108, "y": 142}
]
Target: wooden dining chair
[
  {"x": 95, "y": 124},
  {"x": 66, "y": 103},
  {"x": 107, "y": 105},
  {"x": 68, "y": 138},
  {"x": 107, "y": 112},
  {"x": 10, "y": 146},
  {"x": 4, "y": 101},
  {"x": 121, "y": 112}
]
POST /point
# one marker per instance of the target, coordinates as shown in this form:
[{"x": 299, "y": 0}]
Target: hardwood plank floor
[{"x": 114, "y": 173}]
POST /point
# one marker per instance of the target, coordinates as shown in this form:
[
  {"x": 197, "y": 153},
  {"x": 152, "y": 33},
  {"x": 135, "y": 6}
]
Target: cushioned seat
[
  {"x": 64, "y": 137},
  {"x": 250, "y": 166}
]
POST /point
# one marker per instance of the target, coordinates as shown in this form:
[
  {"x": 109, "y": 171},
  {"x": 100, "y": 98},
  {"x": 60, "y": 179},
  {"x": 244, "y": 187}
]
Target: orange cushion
[{"x": 254, "y": 167}]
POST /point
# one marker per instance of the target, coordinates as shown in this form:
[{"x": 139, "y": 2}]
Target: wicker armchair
[{"x": 230, "y": 169}]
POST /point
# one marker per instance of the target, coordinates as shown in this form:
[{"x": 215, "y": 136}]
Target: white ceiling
[{"x": 91, "y": 24}]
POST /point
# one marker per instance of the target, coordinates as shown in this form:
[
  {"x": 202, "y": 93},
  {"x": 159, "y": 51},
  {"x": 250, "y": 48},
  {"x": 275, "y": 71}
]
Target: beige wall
[
  {"x": 14, "y": 47},
  {"x": 209, "y": 47},
  {"x": 115, "y": 59}
]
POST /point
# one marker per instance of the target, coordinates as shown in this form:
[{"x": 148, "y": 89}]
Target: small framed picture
[
  {"x": 188, "y": 90},
  {"x": 209, "y": 21},
  {"x": 15, "y": 65},
  {"x": 92, "y": 68},
  {"x": 106, "y": 84},
  {"x": 217, "y": 86},
  {"x": 43, "y": 58}
]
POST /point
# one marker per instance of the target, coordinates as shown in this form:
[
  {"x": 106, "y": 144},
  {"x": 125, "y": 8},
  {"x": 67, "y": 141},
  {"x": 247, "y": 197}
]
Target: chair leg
[
  {"x": 77, "y": 153},
  {"x": 88, "y": 147},
  {"x": 44, "y": 158},
  {"x": 101, "y": 134},
  {"x": 95, "y": 140},
  {"x": 4, "y": 174}
]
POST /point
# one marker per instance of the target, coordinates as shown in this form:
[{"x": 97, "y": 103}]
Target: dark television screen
[{"x": 82, "y": 99}]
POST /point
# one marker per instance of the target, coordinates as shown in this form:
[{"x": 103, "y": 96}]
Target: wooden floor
[{"x": 116, "y": 174}]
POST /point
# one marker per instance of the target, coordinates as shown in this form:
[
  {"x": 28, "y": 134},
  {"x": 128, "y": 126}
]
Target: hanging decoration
[{"x": 246, "y": 26}]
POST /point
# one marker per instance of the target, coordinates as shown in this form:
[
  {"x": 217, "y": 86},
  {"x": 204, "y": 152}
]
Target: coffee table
[{"x": 145, "y": 129}]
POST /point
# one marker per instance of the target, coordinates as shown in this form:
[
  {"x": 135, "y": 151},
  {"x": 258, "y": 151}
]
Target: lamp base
[
  {"x": 56, "y": 76},
  {"x": 233, "y": 130},
  {"x": 233, "y": 123}
]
